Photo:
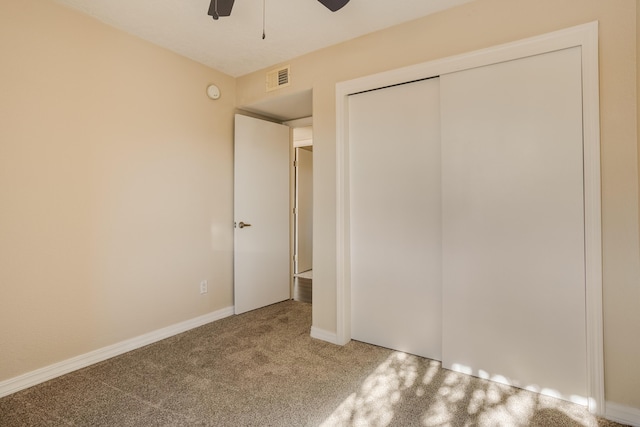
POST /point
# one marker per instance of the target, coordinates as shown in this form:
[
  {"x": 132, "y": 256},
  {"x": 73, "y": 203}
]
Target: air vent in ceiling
[{"x": 278, "y": 78}]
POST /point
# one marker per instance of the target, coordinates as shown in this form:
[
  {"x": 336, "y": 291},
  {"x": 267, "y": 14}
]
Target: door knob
[{"x": 243, "y": 224}]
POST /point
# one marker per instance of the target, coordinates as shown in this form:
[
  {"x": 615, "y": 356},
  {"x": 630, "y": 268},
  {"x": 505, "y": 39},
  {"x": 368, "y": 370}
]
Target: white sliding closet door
[
  {"x": 513, "y": 223},
  {"x": 395, "y": 217}
]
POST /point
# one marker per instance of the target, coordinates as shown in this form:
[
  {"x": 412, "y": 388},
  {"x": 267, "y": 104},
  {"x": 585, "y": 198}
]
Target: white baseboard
[
  {"x": 622, "y": 414},
  {"x": 47, "y": 373},
  {"x": 323, "y": 335}
]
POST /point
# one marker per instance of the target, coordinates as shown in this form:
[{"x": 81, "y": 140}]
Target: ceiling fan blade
[
  {"x": 219, "y": 8},
  {"x": 333, "y": 5}
]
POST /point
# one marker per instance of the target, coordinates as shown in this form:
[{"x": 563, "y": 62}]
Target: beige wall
[
  {"x": 115, "y": 186},
  {"x": 480, "y": 24}
]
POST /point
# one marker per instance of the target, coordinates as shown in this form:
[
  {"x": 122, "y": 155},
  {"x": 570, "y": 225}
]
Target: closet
[{"x": 466, "y": 220}]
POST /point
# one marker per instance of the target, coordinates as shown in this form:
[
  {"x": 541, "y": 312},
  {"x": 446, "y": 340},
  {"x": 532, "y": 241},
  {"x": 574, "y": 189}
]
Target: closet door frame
[{"x": 584, "y": 36}]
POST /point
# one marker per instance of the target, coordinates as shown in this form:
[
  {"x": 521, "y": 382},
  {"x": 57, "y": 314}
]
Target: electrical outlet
[{"x": 204, "y": 287}]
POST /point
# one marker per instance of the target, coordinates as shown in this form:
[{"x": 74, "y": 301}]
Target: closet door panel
[
  {"x": 513, "y": 223},
  {"x": 395, "y": 217}
]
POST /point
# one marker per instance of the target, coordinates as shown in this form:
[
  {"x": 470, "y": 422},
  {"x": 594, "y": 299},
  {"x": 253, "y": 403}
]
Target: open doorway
[
  {"x": 303, "y": 214},
  {"x": 295, "y": 111}
]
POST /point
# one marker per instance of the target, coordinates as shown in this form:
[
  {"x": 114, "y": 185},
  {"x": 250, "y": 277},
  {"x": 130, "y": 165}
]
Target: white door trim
[{"x": 584, "y": 36}]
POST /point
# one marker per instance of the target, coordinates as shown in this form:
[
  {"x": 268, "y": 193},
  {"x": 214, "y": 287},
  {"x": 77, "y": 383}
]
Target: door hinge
[
  {"x": 295, "y": 163},
  {"x": 295, "y": 211}
]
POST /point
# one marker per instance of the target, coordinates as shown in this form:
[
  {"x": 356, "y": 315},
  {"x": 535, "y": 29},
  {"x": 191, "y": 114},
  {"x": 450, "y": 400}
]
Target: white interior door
[
  {"x": 395, "y": 218},
  {"x": 261, "y": 212},
  {"x": 513, "y": 223}
]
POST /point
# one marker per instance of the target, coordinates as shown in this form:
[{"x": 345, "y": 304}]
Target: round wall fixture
[{"x": 213, "y": 92}]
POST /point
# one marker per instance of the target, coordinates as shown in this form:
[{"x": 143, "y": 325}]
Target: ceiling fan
[{"x": 219, "y": 8}]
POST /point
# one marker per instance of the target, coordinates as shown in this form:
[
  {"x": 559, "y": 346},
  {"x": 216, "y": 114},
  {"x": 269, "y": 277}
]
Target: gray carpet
[{"x": 263, "y": 369}]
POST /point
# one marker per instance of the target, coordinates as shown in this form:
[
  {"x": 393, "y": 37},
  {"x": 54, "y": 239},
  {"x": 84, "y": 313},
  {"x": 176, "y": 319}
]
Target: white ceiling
[{"x": 234, "y": 44}]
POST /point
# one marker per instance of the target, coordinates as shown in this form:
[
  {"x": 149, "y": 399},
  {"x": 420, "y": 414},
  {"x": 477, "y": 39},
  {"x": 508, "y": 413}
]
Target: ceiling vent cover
[{"x": 278, "y": 78}]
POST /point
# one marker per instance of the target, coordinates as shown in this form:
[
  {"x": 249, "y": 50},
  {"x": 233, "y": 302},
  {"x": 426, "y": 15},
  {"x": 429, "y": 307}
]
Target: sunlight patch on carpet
[
  {"x": 373, "y": 404},
  {"x": 448, "y": 397}
]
